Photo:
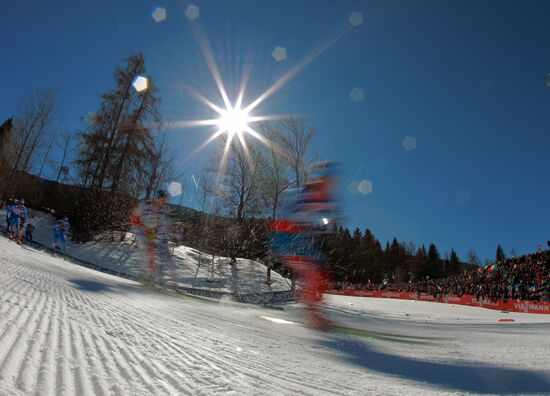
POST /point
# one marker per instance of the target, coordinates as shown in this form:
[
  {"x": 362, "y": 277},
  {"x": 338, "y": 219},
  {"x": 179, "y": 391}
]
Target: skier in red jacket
[
  {"x": 293, "y": 238},
  {"x": 152, "y": 226}
]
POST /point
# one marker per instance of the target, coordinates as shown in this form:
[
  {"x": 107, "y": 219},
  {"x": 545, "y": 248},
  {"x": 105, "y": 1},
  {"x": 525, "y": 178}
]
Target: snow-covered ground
[
  {"x": 69, "y": 330},
  {"x": 428, "y": 312},
  {"x": 194, "y": 269}
]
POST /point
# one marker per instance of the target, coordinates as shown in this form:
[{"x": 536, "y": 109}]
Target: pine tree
[
  {"x": 374, "y": 257},
  {"x": 433, "y": 263},
  {"x": 357, "y": 259},
  {"x": 344, "y": 257},
  {"x": 119, "y": 140},
  {"x": 118, "y": 160},
  {"x": 394, "y": 258},
  {"x": 454, "y": 263},
  {"x": 418, "y": 263},
  {"x": 500, "y": 255}
]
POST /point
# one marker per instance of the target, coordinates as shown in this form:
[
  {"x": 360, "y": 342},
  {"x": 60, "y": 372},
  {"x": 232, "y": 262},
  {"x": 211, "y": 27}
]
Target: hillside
[{"x": 193, "y": 268}]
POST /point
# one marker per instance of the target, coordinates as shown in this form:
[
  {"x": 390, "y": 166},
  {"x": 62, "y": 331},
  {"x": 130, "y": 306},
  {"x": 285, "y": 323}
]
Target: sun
[{"x": 234, "y": 121}]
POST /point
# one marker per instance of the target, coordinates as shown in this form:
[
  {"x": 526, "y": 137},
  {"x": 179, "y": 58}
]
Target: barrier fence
[{"x": 510, "y": 305}]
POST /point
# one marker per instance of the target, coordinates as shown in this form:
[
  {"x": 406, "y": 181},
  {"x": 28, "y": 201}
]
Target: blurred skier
[
  {"x": 23, "y": 215},
  {"x": 29, "y": 231},
  {"x": 60, "y": 231},
  {"x": 152, "y": 226},
  {"x": 9, "y": 207},
  {"x": 17, "y": 217},
  {"x": 294, "y": 238}
]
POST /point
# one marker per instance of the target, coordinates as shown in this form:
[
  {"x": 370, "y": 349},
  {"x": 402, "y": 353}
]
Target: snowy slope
[
  {"x": 69, "y": 330},
  {"x": 427, "y": 312},
  {"x": 193, "y": 268}
]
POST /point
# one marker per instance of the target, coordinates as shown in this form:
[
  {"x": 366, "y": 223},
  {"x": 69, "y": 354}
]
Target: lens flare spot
[
  {"x": 365, "y": 187},
  {"x": 159, "y": 14},
  {"x": 279, "y": 54},
  {"x": 174, "y": 189},
  {"x": 192, "y": 12},
  {"x": 409, "y": 143},
  {"x": 357, "y": 94},
  {"x": 356, "y": 18},
  {"x": 140, "y": 83}
]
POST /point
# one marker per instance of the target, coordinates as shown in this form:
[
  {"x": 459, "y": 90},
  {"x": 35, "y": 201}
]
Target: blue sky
[{"x": 467, "y": 79}]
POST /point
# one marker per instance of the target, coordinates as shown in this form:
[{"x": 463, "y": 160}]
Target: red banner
[{"x": 511, "y": 305}]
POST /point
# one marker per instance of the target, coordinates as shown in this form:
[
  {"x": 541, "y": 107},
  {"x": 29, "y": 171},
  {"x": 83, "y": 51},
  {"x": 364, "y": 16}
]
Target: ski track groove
[
  {"x": 18, "y": 338},
  {"x": 116, "y": 372},
  {"x": 64, "y": 381},
  {"x": 256, "y": 374},
  {"x": 81, "y": 383},
  {"x": 93, "y": 366},
  {"x": 83, "y": 306},
  {"x": 79, "y": 341},
  {"x": 165, "y": 345},
  {"x": 75, "y": 305},
  {"x": 208, "y": 358},
  {"x": 131, "y": 356},
  {"x": 44, "y": 382},
  {"x": 144, "y": 335},
  {"x": 137, "y": 372},
  {"x": 28, "y": 369}
]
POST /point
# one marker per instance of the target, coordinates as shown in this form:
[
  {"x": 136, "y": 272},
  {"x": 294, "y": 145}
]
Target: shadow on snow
[
  {"x": 463, "y": 377},
  {"x": 90, "y": 285}
]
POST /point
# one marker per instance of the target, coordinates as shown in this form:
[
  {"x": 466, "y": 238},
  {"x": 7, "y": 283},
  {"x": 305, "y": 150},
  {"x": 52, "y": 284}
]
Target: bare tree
[
  {"x": 66, "y": 138},
  {"x": 274, "y": 179},
  {"x": 46, "y": 154},
  {"x": 34, "y": 116},
  {"x": 159, "y": 167},
  {"x": 473, "y": 258},
  {"x": 205, "y": 187},
  {"x": 409, "y": 248},
  {"x": 295, "y": 140},
  {"x": 42, "y": 109},
  {"x": 238, "y": 189}
]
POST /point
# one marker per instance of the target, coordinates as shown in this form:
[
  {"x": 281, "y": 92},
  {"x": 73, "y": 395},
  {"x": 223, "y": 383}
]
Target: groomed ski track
[{"x": 68, "y": 330}]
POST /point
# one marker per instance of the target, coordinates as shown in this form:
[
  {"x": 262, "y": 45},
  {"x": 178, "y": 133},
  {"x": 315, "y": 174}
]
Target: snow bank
[{"x": 194, "y": 269}]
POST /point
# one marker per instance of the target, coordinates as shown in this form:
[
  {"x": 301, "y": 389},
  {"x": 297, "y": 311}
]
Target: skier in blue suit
[
  {"x": 17, "y": 217},
  {"x": 60, "y": 230},
  {"x": 9, "y": 207}
]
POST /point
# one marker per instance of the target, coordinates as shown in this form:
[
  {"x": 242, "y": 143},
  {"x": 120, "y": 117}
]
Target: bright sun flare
[{"x": 234, "y": 121}]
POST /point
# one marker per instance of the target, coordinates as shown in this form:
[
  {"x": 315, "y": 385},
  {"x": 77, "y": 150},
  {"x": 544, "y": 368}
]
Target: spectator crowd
[{"x": 518, "y": 278}]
